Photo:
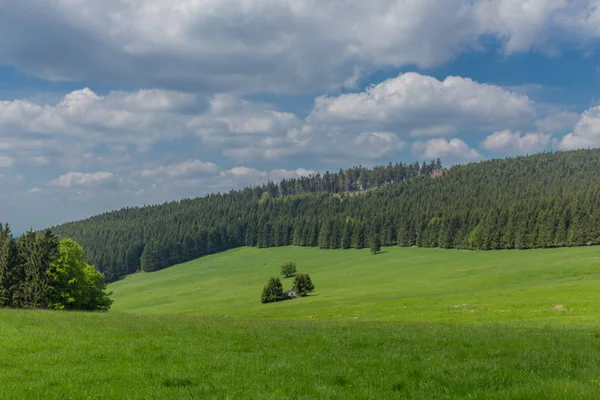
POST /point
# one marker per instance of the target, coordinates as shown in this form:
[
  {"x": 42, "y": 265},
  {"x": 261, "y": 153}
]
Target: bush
[
  {"x": 288, "y": 269},
  {"x": 272, "y": 292},
  {"x": 303, "y": 285}
]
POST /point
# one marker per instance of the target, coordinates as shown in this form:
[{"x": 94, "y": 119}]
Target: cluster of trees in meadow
[
  {"x": 42, "y": 271},
  {"x": 544, "y": 200},
  {"x": 301, "y": 287}
]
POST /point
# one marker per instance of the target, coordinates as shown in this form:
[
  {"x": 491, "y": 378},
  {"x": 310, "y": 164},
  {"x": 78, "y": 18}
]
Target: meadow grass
[
  {"x": 401, "y": 284},
  {"x": 54, "y": 355},
  {"x": 404, "y": 324}
]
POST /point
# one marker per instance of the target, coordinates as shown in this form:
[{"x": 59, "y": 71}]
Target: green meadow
[
  {"x": 404, "y": 324},
  {"x": 399, "y": 284}
]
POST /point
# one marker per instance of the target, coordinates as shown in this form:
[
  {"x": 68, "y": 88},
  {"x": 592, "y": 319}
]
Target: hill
[
  {"x": 544, "y": 200},
  {"x": 400, "y": 284}
]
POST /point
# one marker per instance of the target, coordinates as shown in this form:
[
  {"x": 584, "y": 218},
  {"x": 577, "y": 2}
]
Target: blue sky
[{"x": 119, "y": 103}]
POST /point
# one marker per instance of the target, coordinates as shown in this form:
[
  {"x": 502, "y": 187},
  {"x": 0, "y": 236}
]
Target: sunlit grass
[
  {"x": 52, "y": 355},
  {"x": 404, "y": 324},
  {"x": 399, "y": 285}
]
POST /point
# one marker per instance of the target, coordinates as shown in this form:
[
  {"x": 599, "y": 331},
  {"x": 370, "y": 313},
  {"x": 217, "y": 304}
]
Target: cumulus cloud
[
  {"x": 453, "y": 150},
  {"x": 71, "y": 179},
  {"x": 374, "y": 123},
  {"x": 108, "y": 130},
  {"x": 424, "y": 106},
  {"x": 270, "y": 45},
  {"x": 82, "y": 120},
  {"x": 586, "y": 133},
  {"x": 228, "y": 113},
  {"x": 514, "y": 143}
]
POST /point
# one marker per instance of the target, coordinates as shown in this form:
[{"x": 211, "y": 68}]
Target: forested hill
[
  {"x": 545, "y": 200},
  {"x": 155, "y": 237}
]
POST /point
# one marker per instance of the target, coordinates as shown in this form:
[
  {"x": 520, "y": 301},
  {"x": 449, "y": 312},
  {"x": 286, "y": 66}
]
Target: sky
[{"x": 116, "y": 103}]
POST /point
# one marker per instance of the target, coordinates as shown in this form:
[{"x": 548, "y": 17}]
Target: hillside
[
  {"x": 538, "y": 201},
  {"x": 400, "y": 284}
]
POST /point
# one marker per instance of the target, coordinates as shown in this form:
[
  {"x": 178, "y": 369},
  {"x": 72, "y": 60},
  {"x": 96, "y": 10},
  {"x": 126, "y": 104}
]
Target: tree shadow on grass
[{"x": 380, "y": 252}]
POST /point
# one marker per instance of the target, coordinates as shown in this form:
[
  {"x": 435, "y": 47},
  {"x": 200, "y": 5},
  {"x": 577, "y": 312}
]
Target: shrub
[
  {"x": 288, "y": 269},
  {"x": 303, "y": 285},
  {"x": 272, "y": 292}
]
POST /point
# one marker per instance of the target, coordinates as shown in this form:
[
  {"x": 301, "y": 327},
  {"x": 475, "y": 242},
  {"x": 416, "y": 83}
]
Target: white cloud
[
  {"x": 271, "y": 45},
  {"x": 513, "y": 142},
  {"x": 453, "y": 150},
  {"x": 586, "y": 133},
  {"x": 82, "y": 120},
  {"x": 423, "y": 105},
  {"x": 230, "y": 114},
  {"x": 377, "y": 144},
  {"x": 71, "y": 179},
  {"x": 187, "y": 168},
  {"x": 373, "y": 124}
]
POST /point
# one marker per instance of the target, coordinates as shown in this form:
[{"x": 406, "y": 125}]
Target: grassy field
[
  {"x": 405, "y": 324},
  {"x": 53, "y": 355},
  {"x": 398, "y": 285}
]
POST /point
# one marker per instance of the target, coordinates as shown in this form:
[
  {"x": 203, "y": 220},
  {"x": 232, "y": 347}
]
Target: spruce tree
[
  {"x": 375, "y": 243},
  {"x": 303, "y": 285},
  {"x": 272, "y": 292}
]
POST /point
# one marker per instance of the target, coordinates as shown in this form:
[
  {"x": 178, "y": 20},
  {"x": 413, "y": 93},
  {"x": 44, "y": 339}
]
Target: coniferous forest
[{"x": 544, "y": 200}]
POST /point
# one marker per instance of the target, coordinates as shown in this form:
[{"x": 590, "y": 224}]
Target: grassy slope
[
  {"x": 515, "y": 346},
  {"x": 400, "y": 284}
]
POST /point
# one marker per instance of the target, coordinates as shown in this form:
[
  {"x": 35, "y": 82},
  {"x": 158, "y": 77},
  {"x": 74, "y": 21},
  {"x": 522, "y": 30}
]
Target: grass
[
  {"x": 400, "y": 284},
  {"x": 53, "y": 355},
  {"x": 405, "y": 324}
]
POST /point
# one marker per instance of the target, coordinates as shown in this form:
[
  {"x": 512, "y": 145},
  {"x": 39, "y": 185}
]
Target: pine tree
[
  {"x": 375, "y": 243},
  {"x": 273, "y": 291},
  {"x": 303, "y": 285}
]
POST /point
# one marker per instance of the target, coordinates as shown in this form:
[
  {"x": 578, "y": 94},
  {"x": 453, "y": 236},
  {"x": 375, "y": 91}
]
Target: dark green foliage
[
  {"x": 539, "y": 201},
  {"x": 288, "y": 269},
  {"x": 39, "y": 271},
  {"x": 12, "y": 273},
  {"x": 375, "y": 243},
  {"x": 153, "y": 257},
  {"x": 272, "y": 292},
  {"x": 303, "y": 285}
]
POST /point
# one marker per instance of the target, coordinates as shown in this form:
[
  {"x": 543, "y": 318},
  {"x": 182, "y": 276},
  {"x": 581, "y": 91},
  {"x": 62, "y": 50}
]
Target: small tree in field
[
  {"x": 303, "y": 285},
  {"x": 375, "y": 244},
  {"x": 272, "y": 292},
  {"x": 288, "y": 269}
]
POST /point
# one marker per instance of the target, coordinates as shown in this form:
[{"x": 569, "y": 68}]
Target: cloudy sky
[{"x": 112, "y": 103}]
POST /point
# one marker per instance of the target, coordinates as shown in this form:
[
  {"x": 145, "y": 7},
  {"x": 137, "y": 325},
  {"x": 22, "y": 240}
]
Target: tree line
[
  {"x": 543, "y": 200},
  {"x": 42, "y": 271}
]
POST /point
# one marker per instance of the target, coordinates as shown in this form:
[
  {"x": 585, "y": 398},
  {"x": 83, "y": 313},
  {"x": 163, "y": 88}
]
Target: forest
[{"x": 538, "y": 201}]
